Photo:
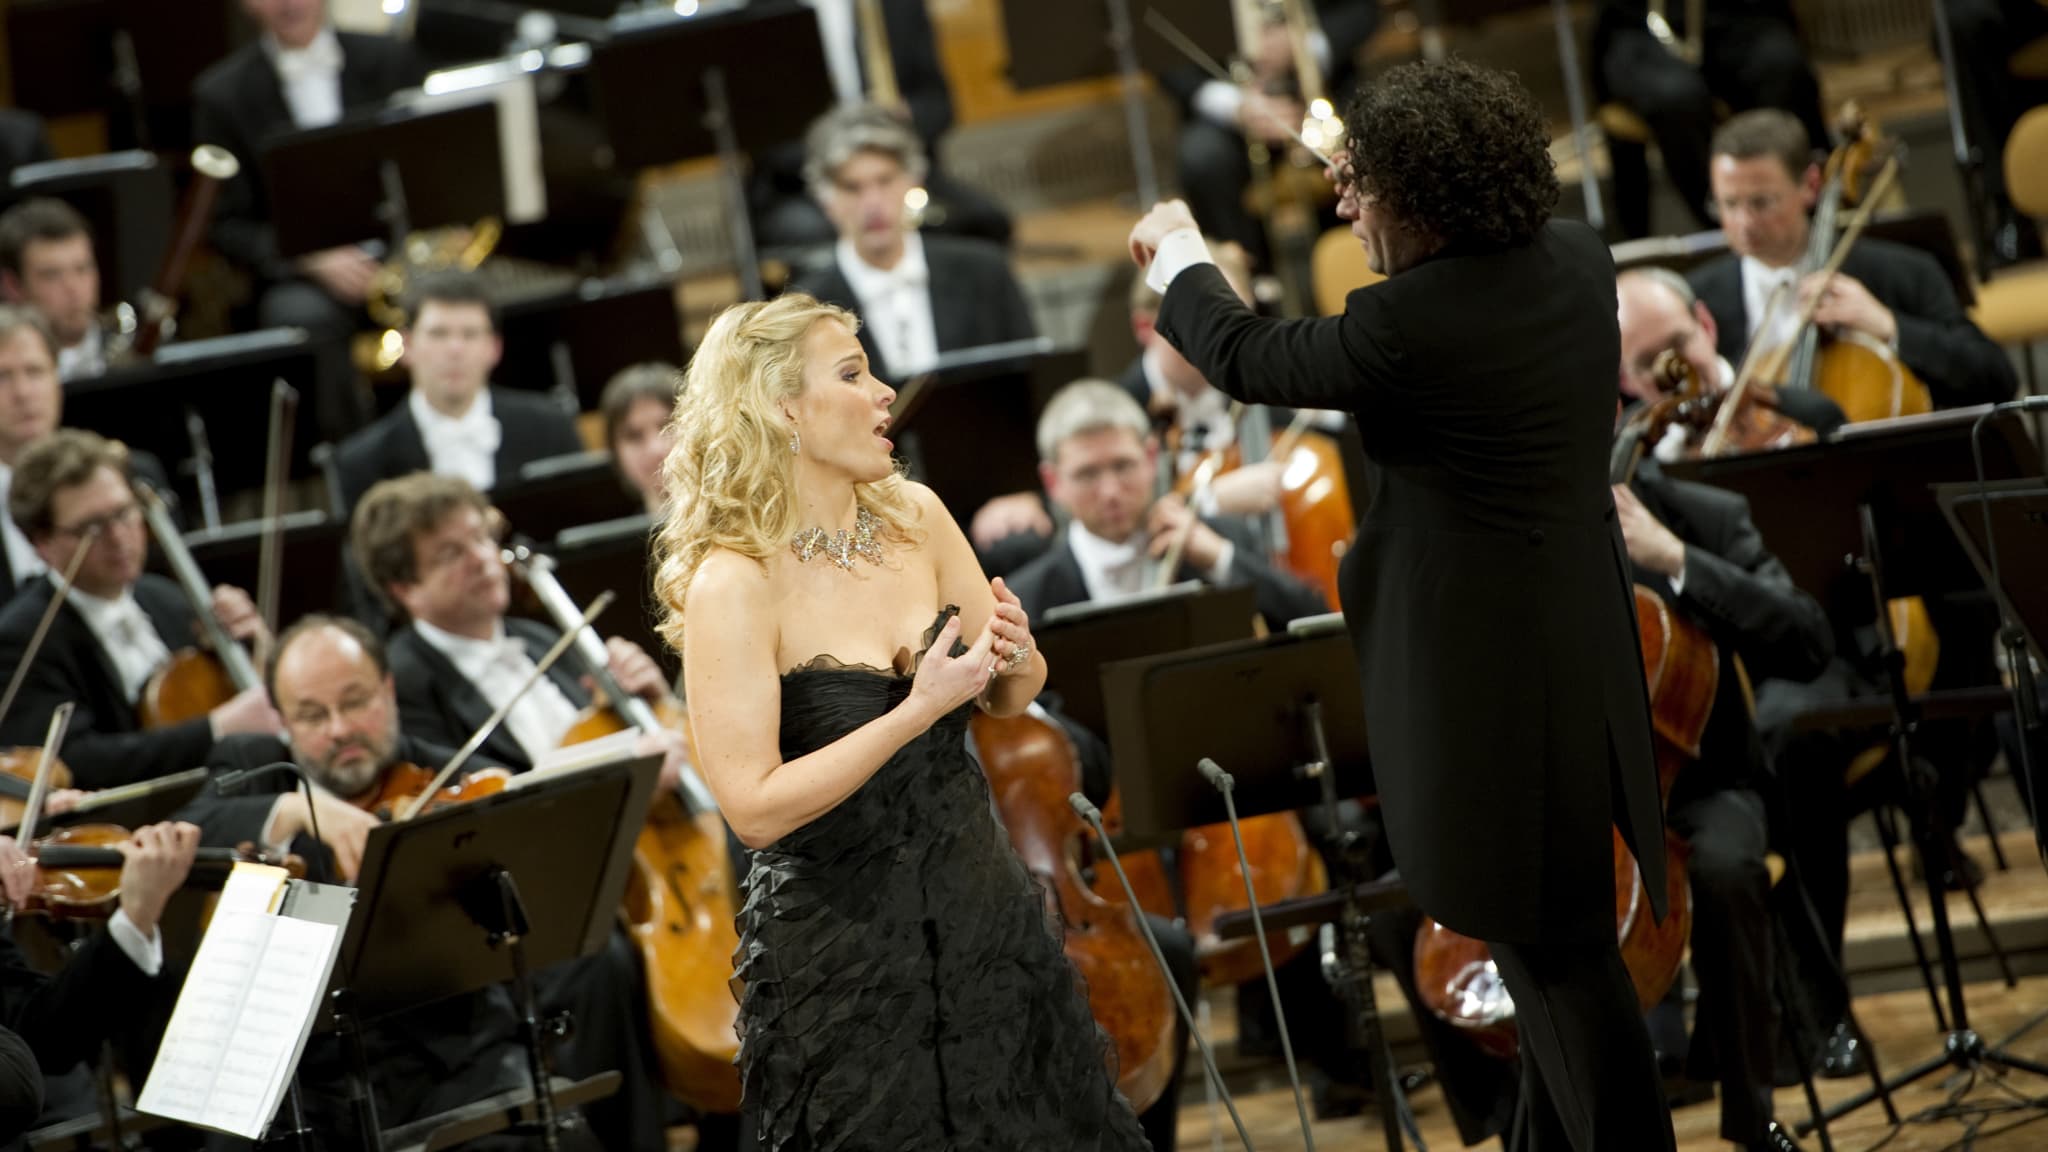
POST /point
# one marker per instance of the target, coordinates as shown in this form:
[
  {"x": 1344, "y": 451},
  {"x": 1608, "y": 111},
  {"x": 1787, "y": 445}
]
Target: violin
[
  {"x": 1862, "y": 375},
  {"x": 680, "y": 906},
  {"x": 78, "y": 870},
  {"x": 1031, "y": 770},
  {"x": 404, "y": 783}
]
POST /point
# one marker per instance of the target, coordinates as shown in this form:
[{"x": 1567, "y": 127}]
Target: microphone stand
[{"x": 2026, "y": 698}]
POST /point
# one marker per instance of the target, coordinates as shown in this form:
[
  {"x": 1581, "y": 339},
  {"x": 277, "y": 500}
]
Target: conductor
[{"x": 1487, "y": 595}]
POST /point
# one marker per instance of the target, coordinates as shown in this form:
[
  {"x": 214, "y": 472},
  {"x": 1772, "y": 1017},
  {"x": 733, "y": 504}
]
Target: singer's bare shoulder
[{"x": 727, "y": 583}]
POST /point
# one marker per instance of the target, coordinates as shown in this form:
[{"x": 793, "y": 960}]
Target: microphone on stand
[
  {"x": 1093, "y": 815},
  {"x": 1225, "y": 784}
]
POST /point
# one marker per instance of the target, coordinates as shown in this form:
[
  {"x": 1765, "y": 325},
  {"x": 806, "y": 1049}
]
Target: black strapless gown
[{"x": 904, "y": 988}]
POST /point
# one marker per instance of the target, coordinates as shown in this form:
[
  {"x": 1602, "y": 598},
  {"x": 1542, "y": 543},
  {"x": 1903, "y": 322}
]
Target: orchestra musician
[
  {"x": 426, "y": 544},
  {"x": 52, "y": 1023},
  {"x": 334, "y": 688},
  {"x": 31, "y": 407},
  {"x": 917, "y": 295},
  {"x": 1478, "y": 373},
  {"x": 1217, "y": 117},
  {"x": 299, "y": 72},
  {"x": 47, "y": 262},
  {"x": 1746, "y": 56},
  {"x": 1766, "y": 183},
  {"x": 902, "y": 985},
  {"x": 782, "y": 203},
  {"x": 118, "y": 626},
  {"x": 636, "y": 405},
  {"x": 453, "y": 422}
]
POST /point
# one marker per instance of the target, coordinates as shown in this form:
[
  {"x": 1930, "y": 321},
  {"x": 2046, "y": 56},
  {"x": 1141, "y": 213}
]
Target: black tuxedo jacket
[
  {"x": 64, "y": 1018},
  {"x": 1347, "y": 24},
  {"x": 975, "y": 297},
  {"x": 437, "y": 705},
  {"x": 1054, "y": 578},
  {"x": 239, "y": 104},
  {"x": 1487, "y": 594},
  {"x": 105, "y": 745},
  {"x": 1737, "y": 591},
  {"x": 1937, "y": 340},
  {"x": 532, "y": 427}
]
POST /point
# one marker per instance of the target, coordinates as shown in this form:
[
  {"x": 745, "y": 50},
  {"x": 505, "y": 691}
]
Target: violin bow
[
  {"x": 1724, "y": 420},
  {"x": 1205, "y": 474},
  {"x": 476, "y": 739},
  {"x": 284, "y": 405},
  {"x": 35, "y": 640},
  {"x": 32, "y": 813}
]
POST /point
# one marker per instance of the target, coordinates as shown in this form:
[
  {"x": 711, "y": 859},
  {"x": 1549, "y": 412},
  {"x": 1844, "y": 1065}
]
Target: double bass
[{"x": 1456, "y": 975}]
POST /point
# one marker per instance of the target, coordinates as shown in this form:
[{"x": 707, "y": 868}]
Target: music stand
[
  {"x": 561, "y": 492},
  {"x": 1868, "y": 496},
  {"x": 1284, "y": 716},
  {"x": 383, "y": 174},
  {"x": 940, "y": 420},
  {"x": 760, "y": 80},
  {"x": 1078, "y": 639},
  {"x": 472, "y": 895},
  {"x": 125, "y": 198},
  {"x": 577, "y": 339},
  {"x": 198, "y": 392}
]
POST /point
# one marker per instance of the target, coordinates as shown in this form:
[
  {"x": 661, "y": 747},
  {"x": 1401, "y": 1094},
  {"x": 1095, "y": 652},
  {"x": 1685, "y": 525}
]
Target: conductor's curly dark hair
[{"x": 1457, "y": 151}]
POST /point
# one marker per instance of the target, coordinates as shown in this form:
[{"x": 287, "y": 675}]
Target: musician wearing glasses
[
  {"x": 1219, "y": 118},
  {"x": 47, "y": 262},
  {"x": 1766, "y": 184},
  {"x": 900, "y": 71},
  {"x": 1745, "y": 54},
  {"x": 118, "y": 627},
  {"x": 917, "y": 295},
  {"x": 299, "y": 72}
]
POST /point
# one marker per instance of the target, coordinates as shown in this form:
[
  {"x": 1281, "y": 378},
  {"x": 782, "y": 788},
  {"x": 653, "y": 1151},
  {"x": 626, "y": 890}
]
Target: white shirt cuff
[
  {"x": 147, "y": 952},
  {"x": 1218, "y": 102},
  {"x": 1678, "y": 581},
  {"x": 1182, "y": 249},
  {"x": 272, "y": 842},
  {"x": 1220, "y": 571}
]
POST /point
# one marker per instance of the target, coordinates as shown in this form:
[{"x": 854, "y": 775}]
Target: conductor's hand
[
  {"x": 944, "y": 681},
  {"x": 1165, "y": 218},
  {"x": 344, "y": 273},
  {"x": 1007, "y": 516},
  {"x": 1168, "y": 519},
  {"x": 635, "y": 670},
  {"x": 237, "y": 614},
  {"x": 1651, "y": 546},
  {"x": 157, "y": 859}
]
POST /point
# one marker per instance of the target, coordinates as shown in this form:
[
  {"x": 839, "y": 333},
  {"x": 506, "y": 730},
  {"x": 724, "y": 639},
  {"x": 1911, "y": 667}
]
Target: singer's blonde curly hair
[{"x": 731, "y": 475}]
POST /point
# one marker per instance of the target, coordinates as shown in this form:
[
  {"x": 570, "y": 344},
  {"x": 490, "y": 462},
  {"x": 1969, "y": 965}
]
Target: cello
[
  {"x": 1455, "y": 974},
  {"x": 679, "y": 905},
  {"x": 1031, "y": 770}
]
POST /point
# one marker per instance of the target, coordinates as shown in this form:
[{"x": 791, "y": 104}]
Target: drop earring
[{"x": 796, "y": 443}]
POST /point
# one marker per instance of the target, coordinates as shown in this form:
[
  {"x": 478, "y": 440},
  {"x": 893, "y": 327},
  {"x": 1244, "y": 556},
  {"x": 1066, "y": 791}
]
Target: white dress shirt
[
  {"x": 22, "y": 559},
  {"x": 125, "y": 635},
  {"x": 85, "y": 359},
  {"x": 895, "y": 305},
  {"x": 1759, "y": 283},
  {"x": 497, "y": 667},
  {"x": 465, "y": 445},
  {"x": 310, "y": 77},
  {"x": 1113, "y": 572},
  {"x": 146, "y": 951},
  {"x": 840, "y": 34}
]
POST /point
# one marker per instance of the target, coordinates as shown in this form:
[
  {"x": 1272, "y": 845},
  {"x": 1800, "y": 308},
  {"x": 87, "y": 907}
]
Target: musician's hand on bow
[
  {"x": 237, "y": 614},
  {"x": 635, "y": 670},
  {"x": 1249, "y": 490},
  {"x": 17, "y": 871},
  {"x": 1168, "y": 519},
  {"x": 1846, "y": 304},
  {"x": 248, "y": 711},
  {"x": 1272, "y": 119},
  {"x": 346, "y": 273},
  {"x": 1165, "y": 218},
  {"x": 63, "y": 800},
  {"x": 157, "y": 859},
  {"x": 1651, "y": 546},
  {"x": 1005, "y": 516},
  {"x": 1011, "y": 626}
]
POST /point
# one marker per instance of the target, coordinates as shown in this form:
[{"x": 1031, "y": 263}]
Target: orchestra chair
[
  {"x": 2012, "y": 306},
  {"x": 1336, "y": 267}
]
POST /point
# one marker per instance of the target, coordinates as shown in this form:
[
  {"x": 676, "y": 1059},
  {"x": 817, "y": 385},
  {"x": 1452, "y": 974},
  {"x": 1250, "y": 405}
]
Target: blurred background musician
[
  {"x": 47, "y": 262},
  {"x": 637, "y": 404}
]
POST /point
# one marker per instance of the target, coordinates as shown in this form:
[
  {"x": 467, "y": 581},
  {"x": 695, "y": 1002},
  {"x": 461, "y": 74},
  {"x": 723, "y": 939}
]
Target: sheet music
[{"x": 244, "y": 1014}]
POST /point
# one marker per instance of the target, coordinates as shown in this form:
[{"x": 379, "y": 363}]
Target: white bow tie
[{"x": 321, "y": 56}]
